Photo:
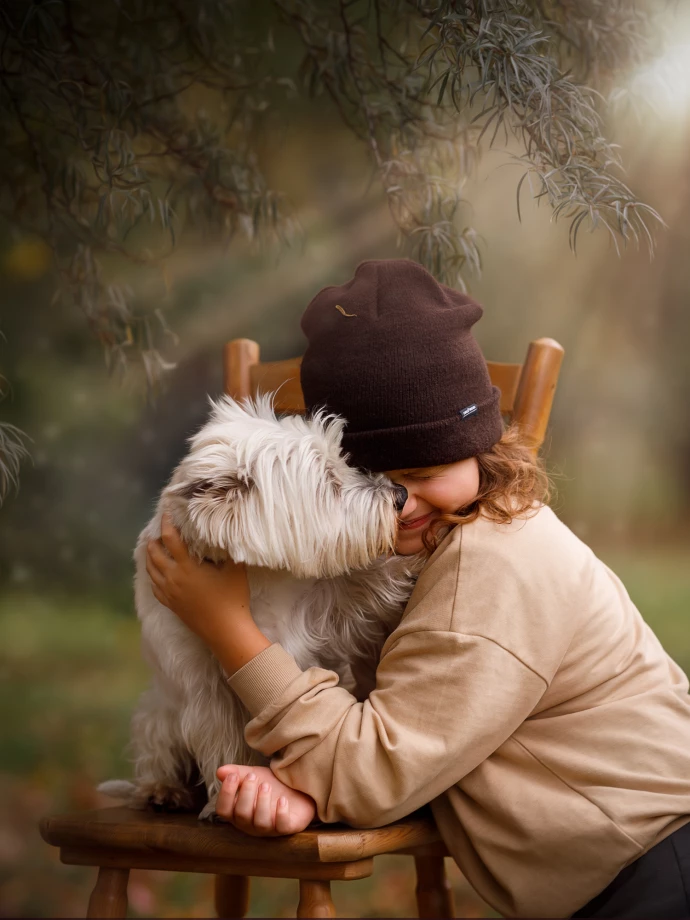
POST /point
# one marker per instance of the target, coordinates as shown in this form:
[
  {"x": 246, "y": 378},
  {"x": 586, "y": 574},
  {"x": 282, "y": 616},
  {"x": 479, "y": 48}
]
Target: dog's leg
[
  {"x": 219, "y": 739},
  {"x": 166, "y": 774}
]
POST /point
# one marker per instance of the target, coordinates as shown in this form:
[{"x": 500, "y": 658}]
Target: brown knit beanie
[{"x": 393, "y": 353}]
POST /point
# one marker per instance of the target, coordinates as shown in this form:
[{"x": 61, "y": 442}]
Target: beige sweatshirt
[{"x": 523, "y": 695}]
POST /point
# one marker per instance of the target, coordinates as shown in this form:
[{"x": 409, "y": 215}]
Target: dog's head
[{"x": 277, "y": 492}]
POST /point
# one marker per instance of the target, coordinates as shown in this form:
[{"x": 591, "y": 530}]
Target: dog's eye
[
  {"x": 221, "y": 488},
  {"x": 190, "y": 489}
]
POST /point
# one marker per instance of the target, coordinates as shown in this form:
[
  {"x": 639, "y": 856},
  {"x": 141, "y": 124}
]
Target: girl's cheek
[{"x": 438, "y": 497}]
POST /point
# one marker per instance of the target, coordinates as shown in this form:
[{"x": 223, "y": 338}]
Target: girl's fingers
[
  {"x": 156, "y": 554},
  {"x": 283, "y": 819},
  {"x": 225, "y": 805},
  {"x": 160, "y": 597},
  {"x": 154, "y": 574},
  {"x": 263, "y": 817},
  {"x": 171, "y": 539},
  {"x": 158, "y": 585},
  {"x": 246, "y": 802}
]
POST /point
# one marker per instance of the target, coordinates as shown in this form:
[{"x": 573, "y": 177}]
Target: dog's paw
[
  {"x": 208, "y": 812},
  {"x": 165, "y": 797},
  {"x": 118, "y": 789}
]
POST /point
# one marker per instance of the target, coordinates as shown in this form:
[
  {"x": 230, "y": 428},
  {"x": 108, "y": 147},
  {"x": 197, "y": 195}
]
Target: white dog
[{"x": 317, "y": 536}]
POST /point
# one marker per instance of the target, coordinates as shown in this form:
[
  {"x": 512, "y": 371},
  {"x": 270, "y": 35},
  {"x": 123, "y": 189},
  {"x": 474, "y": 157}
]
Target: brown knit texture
[{"x": 393, "y": 353}]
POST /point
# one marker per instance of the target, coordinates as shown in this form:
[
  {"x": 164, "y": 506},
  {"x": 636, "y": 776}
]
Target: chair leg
[
  {"x": 232, "y": 895},
  {"x": 109, "y": 896},
  {"x": 434, "y": 895},
  {"x": 315, "y": 899}
]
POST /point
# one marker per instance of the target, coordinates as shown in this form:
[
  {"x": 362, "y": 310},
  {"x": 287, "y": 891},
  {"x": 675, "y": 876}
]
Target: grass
[{"x": 71, "y": 674}]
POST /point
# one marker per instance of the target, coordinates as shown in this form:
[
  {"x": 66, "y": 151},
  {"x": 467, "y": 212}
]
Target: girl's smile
[
  {"x": 431, "y": 492},
  {"x": 416, "y": 522}
]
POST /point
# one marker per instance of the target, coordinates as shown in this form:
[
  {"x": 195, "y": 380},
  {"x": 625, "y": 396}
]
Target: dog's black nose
[{"x": 400, "y": 497}]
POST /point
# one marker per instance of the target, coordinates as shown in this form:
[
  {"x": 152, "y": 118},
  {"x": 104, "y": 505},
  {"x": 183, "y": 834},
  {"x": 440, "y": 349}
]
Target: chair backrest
[{"x": 527, "y": 389}]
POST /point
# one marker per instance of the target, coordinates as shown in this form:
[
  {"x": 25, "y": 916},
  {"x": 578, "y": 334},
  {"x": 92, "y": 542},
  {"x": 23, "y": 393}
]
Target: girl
[{"x": 522, "y": 695}]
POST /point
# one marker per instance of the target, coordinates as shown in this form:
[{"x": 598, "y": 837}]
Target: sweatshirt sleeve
[{"x": 443, "y": 703}]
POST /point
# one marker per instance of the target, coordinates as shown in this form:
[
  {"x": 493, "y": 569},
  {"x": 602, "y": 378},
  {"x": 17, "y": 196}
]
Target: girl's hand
[
  {"x": 202, "y": 594},
  {"x": 212, "y": 600},
  {"x": 255, "y": 801}
]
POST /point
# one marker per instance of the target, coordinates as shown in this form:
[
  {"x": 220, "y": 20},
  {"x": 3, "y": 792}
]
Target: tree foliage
[{"x": 126, "y": 121}]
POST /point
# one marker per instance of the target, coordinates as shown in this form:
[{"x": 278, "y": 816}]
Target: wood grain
[
  {"x": 434, "y": 895},
  {"x": 506, "y": 377},
  {"x": 109, "y": 896},
  {"x": 315, "y": 899},
  {"x": 231, "y": 896},
  {"x": 142, "y": 831},
  {"x": 214, "y": 865},
  {"x": 281, "y": 377},
  {"x": 536, "y": 390},
  {"x": 239, "y": 356}
]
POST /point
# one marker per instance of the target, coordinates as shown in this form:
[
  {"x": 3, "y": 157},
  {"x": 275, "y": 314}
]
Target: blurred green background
[{"x": 618, "y": 447}]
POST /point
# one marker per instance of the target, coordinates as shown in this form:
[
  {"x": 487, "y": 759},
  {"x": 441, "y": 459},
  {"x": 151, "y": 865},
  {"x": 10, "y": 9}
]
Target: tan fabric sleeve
[{"x": 443, "y": 703}]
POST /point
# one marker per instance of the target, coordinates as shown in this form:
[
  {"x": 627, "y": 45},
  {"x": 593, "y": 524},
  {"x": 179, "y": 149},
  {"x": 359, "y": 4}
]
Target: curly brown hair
[{"x": 511, "y": 481}]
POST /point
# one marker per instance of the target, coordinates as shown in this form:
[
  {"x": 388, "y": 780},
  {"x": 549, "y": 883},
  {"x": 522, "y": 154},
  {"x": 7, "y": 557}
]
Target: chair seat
[{"x": 140, "y": 839}]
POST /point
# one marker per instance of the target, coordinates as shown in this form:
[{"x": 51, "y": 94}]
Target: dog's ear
[{"x": 224, "y": 488}]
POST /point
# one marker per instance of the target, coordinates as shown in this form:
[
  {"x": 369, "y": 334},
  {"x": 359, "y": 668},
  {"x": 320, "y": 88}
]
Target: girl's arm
[
  {"x": 444, "y": 700},
  {"x": 443, "y": 703},
  {"x": 212, "y": 600}
]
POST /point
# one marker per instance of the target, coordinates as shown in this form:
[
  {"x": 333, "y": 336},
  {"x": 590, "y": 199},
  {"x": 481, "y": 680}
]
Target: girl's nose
[{"x": 400, "y": 497}]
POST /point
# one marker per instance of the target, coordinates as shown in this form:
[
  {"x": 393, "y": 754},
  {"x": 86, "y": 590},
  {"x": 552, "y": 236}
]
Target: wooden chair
[
  {"x": 118, "y": 839},
  {"x": 527, "y": 389}
]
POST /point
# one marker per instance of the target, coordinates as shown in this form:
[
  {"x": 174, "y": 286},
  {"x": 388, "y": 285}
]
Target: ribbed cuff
[
  {"x": 434, "y": 443},
  {"x": 263, "y": 679}
]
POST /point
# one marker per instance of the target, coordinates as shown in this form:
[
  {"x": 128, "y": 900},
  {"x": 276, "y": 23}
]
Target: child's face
[{"x": 432, "y": 491}]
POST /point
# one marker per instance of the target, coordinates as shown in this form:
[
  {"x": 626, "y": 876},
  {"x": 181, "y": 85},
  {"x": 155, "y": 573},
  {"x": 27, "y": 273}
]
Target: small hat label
[{"x": 470, "y": 410}]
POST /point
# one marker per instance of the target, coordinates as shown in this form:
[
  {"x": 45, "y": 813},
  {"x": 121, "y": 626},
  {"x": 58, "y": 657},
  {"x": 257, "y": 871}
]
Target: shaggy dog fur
[{"x": 317, "y": 537}]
